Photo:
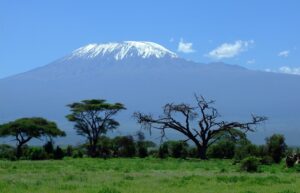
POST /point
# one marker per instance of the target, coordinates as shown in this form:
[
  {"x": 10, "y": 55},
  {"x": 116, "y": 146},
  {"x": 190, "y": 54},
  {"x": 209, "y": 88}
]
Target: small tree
[
  {"x": 94, "y": 118},
  {"x": 276, "y": 147},
  {"x": 25, "y": 129},
  {"x": 180, "y": 117}
]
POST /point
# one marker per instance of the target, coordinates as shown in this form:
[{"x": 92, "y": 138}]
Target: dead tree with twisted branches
[{"x": 198, "y": 123}]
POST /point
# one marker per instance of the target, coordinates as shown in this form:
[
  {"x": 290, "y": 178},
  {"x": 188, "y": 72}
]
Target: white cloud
[
  {"x": 185, "y": 47},
  {"x": 252, "y": 61},
  {"x": 285, "y": 70},
  {"x": 289, "y": 70},
  {"x": 229, "y": 50},
  {"x": 268, "y": 70},
  {"x": 284, "y": 53}
]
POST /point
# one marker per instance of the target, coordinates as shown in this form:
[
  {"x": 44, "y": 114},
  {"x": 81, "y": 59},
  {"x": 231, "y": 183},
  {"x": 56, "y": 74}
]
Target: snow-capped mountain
[
  {"x": 119, "y": 51},
  {"x": 144, "y": 76}
]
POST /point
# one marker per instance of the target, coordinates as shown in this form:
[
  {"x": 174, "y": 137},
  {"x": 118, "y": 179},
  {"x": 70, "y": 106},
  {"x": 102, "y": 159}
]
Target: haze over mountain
[{"x": 144, "y": 76}]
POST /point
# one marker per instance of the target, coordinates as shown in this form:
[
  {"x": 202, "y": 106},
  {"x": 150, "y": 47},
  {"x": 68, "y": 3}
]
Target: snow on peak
[{"x": 123, "y": 50}]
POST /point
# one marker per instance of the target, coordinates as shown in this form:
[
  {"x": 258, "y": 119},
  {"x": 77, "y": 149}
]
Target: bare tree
[{"x": 181, "y": 117}]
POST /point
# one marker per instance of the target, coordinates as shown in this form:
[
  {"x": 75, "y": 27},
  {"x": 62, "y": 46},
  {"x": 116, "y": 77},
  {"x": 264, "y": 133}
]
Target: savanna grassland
[{"x": 118, "y": 175}]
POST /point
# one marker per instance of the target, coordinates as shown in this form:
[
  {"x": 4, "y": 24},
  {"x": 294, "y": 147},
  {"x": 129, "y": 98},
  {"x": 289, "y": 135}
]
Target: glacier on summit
[{"x": 123, "y": 50}]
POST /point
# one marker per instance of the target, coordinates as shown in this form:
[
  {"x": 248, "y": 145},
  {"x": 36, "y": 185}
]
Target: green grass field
[{"x": 143, "y": 176}]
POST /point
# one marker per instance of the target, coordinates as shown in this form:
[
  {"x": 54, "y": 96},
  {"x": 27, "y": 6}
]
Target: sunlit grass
[{"x": 143, "y": 176}]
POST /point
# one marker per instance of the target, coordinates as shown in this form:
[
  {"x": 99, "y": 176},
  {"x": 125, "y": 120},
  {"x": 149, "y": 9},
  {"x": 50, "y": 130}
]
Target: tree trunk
[
  {"x": 19, "y": 151},
  {"x": 202, "y": 150},
  {"x": 93, "y": 148}
]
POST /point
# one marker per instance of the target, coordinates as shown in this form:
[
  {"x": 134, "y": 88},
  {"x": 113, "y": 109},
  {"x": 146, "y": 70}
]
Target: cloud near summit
[
  {"x": 185, "y": 47},
  {"x": 230, "y": 50}
]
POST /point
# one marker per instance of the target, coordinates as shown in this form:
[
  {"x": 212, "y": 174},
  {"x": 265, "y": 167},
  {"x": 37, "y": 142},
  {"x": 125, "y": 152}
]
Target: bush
[
  {"x": 48, "y": 147},
  {"x": 78, "y": 154},
  {"x": 36, "y": 153},
  {"x": 266, "y": 160},
  {"x": 250, "y": 164},
  {"x": 142, "y": 150},
  {"x": 163, "y": 151},
  {"x": 276, "y": 147},
  {"x": 153, "y": 152},
  {"x": 69, "y": 151},
  {"x": 58, "y": 153},
  {"x": 124, "y": 146},
  {"x": 245, "y": 149},
  {"x": 178, "y": 149},
  {"x": 193, "y": 152},
  {"x": 222, "y": 149},
  {"x": 7, "y": 152}
]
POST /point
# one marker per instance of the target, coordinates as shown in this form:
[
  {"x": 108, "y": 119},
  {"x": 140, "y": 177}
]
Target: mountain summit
[
  {"x": 126, "y": 49},
  {"x": 145, "y": 76}
]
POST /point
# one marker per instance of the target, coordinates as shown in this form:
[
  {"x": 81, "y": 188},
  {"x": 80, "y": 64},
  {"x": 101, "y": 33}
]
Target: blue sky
[{"x": 252, "y": 33}]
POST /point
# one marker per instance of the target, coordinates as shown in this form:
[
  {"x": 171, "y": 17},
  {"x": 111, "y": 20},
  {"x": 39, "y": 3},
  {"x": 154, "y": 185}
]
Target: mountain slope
[{"x": 144, "y": 77}]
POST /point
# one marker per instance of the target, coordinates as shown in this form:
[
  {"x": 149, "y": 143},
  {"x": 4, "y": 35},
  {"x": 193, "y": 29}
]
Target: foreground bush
[{"x": 250, "y": 164}]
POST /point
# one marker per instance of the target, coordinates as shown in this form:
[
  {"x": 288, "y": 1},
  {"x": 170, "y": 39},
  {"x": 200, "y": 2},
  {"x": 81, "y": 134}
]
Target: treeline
[
  {"x": 272, "y": 152},
  {"x": 205, "y": 135}
]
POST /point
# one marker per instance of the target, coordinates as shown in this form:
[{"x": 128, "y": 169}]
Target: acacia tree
[
  {"x": 94, "y": 118},
  {"x": 25, "y": 129},
  {"x": 182, "y": 118}
]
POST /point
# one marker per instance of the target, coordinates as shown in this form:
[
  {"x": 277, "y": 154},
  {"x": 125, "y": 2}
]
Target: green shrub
[
  {"x": 58, "y": 153},
  {"x": 124, "y": 146},
  {"x": 222, "y": 149},
  {"x": 78, "y": 154},
  {"x": 7, "y": 152},
  {"x": 178, "y": 149},
  {"x": 297, "y": 168},
  {"x": 142, "y": 151},
  {"x": 250, "y": 164},
  {"x": 193, "y": 152},
  {"x": 48, "y": 147},
  {"x": 266, "y": 160},
  {"x": 153, "y": 152},
  {"x": 276, "y": 147},
  {"x": 37, "y": 153},
  {"x": 163, "y": 151},
  {"x": 69, "y": 151},
  {"x": 245, "y": 149}
]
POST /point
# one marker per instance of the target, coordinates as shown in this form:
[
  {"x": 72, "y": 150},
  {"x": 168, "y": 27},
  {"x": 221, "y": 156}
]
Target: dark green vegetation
[{"x": 149, "y": 175}]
